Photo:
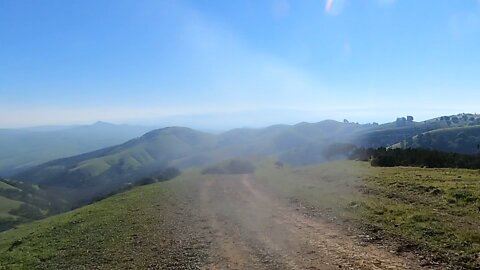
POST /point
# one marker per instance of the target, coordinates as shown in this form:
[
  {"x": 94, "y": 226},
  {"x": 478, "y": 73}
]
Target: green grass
[
  {"x": 116, "y": 233},
  {"x": 331, "y": 186},
  {"x": 435, "y": 209},
  {"x": 4, "y": 185},
  {"x": 6, "y": 205}
]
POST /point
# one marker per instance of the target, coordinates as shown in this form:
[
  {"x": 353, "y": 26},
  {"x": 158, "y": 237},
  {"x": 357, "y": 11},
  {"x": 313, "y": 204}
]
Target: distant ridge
[
  {"x": 182, "y": 147},
  {"x": 27, "y": 147}
]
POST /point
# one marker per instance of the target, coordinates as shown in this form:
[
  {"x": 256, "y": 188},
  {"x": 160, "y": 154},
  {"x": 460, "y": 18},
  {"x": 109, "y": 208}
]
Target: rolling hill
[
  {"x": 463, "y": 140},
  {"x": 22, "y": 202},
  {"x": 99, "y": 172},
  {"x": 86, "y": 176},
  {"x": 28, "y": 147},
  {"x": 404, "y": 130}
]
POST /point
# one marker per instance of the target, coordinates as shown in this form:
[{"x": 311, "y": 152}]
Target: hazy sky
[{"x": 246, "y": 62}]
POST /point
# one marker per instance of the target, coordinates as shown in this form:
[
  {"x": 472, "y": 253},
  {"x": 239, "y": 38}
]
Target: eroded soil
[{"x": 248, "y": 229}]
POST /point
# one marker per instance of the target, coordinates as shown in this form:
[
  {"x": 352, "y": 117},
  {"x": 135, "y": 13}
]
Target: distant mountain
[
  {"x": 463, "y": 140},
  {"x": 27, "y": 147},
  {"x": 403, "y": 129},
  {"x": 103, "y": 170},
  {"x": 87, "y": 175},
  {"x": 455, "y": 133}
]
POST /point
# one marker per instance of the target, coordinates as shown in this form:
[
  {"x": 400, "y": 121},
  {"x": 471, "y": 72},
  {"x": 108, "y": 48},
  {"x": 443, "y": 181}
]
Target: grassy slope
[
  {"x": 6, "y": 205},
  {"x": 24, "y": 148},
  {"x": 433, "y": 208},
  {"x": 120, "y": 232},
  {"x": 155, "y": 149},
  {"x": 449, "y": 131},
  {"x": 437, "y": 209},
  {"x": 4, "y": 185},
  {"x": 331, "y": 186},
  {"x": 29, "y": 201}
]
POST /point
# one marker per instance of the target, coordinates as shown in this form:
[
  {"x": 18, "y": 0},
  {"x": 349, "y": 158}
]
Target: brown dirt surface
[{"x": 248, "y": 229}]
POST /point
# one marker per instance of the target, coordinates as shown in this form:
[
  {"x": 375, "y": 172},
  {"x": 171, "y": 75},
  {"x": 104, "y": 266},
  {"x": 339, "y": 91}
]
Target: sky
[{"x": 223, "y": 64}]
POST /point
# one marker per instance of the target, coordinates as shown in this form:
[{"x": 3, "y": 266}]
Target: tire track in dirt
[
  {"x": 250, "y": 230},
  {"x": 232, "y": 246}
]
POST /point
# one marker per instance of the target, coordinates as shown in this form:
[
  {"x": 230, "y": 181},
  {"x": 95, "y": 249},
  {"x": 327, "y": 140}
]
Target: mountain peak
[{"x": 102, "y": 123}]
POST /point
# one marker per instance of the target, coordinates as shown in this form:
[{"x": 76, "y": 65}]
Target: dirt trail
[{"x": 250, "y": 230}]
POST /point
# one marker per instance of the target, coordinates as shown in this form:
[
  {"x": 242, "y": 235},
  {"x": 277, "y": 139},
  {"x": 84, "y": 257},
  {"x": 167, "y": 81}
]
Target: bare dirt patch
[{"x": 252, "y": 230}]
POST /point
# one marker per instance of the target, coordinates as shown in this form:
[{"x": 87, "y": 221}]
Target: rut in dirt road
[{"x": 250, "y": 230}]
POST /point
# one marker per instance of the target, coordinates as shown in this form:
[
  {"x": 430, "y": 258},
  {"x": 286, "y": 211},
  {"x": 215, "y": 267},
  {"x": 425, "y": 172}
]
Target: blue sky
[{"x": 220, "y": 64}]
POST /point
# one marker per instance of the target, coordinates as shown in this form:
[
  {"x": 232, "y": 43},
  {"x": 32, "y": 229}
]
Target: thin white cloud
[
  {"x": 234, "y": 72},
  {"x": 329, "y": 6},
  {"x": 334, "y": 7},
  {"x": 222, "y": 69}
]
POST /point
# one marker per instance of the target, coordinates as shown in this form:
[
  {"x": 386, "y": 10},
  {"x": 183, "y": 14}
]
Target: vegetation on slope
[
  {"x": 102, "y": 171},
  {"x": 429, "y": 211},
  {"x": 404, "y": 131},
  {"x": 128, "y": 230},
  {"x": 78, "y": 180},
  {"x": 22, "y": 202},
  {"x": 25, "y": 148},
  {"x": 234, "y": 166},
  {"x": 383, "y": 157},
  {"x": 465, "y": 140},
  {"x": 434, "y": 209}
]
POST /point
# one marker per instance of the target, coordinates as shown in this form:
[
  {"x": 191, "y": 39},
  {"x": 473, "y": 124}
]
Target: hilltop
[
  {"x": 99, "y": 172},
  {"x": 27, "y": 147}
]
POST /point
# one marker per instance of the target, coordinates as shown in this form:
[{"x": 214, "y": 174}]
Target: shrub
[{"x": 231, "y": 167}]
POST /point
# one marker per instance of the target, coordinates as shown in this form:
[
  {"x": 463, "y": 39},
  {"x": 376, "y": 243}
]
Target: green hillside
[
  {"x": 156, "y": 149},
  {"x": 25, "y": 148},
  {"x": 7, "y": 205},
  {"x": 6, "y": 186},
  {"x": 126, "y": 230},
  {"x": 464, "y": 140},
  {"x": 435, "y": 210},
  {"x": 22, "y": 202},
  {"x": 86, "y": 176},
  {"x": 401, "y": 132},
  {"x": 161, "y": 225},
  {"x": 179, "y": 147},
  {"x": 82, "y": 178}
]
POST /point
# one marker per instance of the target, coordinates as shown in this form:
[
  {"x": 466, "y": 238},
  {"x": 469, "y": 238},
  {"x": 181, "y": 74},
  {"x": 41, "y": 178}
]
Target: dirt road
[{"x": 247, "y": 229}]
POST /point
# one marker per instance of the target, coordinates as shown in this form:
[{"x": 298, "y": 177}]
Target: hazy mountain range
[
  {"x": 116, "y": 162},
  {"x": 27, "y": 147}
]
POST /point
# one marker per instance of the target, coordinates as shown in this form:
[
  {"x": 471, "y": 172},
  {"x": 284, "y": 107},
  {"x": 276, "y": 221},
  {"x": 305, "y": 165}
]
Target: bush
[
  {"x": 231, "y": 167},
  {"x": 145, "y": 181},
  {"x": 416, "y": 157}
]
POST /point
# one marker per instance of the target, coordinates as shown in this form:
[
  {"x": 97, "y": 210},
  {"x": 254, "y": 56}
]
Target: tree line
[{"x": 415, "y": 157}]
